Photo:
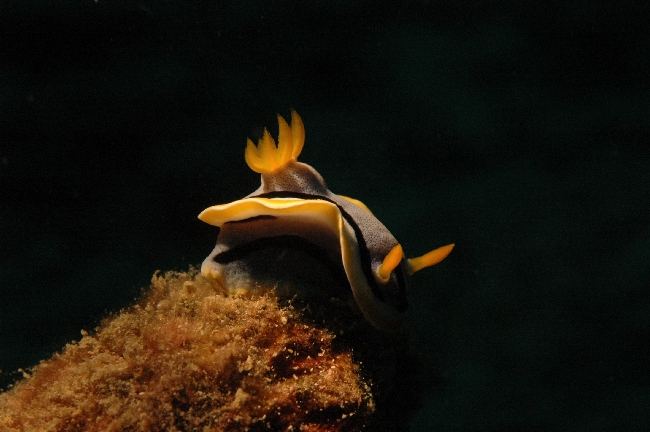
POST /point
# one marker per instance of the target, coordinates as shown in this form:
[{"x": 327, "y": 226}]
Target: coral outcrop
[{"x": 188, "y": 357}]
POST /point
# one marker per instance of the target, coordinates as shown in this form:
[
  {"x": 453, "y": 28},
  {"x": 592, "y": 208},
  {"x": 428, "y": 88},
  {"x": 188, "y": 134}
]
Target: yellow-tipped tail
[
  {"x": 266, "y": 157},
  {"x": 430, "y": 258}
]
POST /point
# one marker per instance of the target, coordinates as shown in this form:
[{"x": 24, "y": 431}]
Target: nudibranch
[{"x": 293, "y": 202}]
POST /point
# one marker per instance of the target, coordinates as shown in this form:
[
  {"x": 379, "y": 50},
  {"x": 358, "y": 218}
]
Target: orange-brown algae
[{"x": 189, "y": 357}]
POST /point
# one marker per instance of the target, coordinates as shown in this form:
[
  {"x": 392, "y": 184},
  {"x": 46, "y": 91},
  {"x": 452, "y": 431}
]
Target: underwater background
[{"x": 518, "y": 130}]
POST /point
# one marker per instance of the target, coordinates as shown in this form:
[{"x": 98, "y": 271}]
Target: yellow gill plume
[{"x": 266, "y": 157}]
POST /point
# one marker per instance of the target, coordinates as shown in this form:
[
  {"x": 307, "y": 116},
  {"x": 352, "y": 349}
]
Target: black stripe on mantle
[{"x": 363, "y": 247}]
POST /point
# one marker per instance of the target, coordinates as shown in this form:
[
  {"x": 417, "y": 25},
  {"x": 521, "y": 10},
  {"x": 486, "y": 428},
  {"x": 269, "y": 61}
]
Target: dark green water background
[{"x": 519, "y": 130}]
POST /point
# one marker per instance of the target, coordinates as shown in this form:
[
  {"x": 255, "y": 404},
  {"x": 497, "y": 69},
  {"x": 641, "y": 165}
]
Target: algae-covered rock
[{"x": 189, "y": 357}]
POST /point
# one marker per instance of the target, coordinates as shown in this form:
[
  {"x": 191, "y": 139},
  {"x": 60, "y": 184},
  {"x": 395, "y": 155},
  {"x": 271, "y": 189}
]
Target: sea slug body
[{"x": 294, "y": 206}]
